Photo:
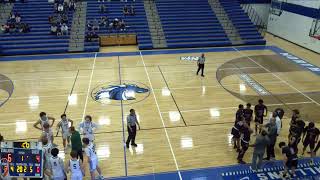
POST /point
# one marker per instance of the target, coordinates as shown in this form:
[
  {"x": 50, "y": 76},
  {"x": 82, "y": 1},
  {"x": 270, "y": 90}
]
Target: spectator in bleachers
[
  {"x": 59, "y": 33},
  {"x": 64, "y": 29},
  {"x": 115, "y": 23},
  {"x": 60, "y": 8},
  {"x": 64, "y": 18},
  {"x": 122, "y": 25},
  {"x": 95, "y": 25},
  {"x": 12, "y": 17},
  {"x": 126, "y": 10},
  {"x": 132, "y": 10},
  {"x": 5, "y": 28},
  {"x": 53, "y": 29},
  {"x": 104, "y": 21},
  {"x": 72, "y": 6},
  {"x": 12, "y": 28},
  {"x": 18, "y": 18},
  {"x": 25, "y": 28},
  {"x": 91, "y": 36},
  {"x": 102, "y": 8},
  {"x": 89, "y": 25}
]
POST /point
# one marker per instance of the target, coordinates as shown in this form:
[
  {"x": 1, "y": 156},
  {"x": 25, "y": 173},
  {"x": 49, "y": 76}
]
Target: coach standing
[
  {"x": 201, "y": 61},
  {"x": 132, "y": 123}
]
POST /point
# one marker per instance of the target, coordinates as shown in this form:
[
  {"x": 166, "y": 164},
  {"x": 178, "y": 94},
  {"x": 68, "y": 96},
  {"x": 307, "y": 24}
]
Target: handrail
[{"x": 255, "y": 18}]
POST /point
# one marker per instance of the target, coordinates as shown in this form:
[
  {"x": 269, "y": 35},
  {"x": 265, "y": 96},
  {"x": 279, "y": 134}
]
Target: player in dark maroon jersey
[
  {"x": 248, "y": 114},
  {"x": 310, "y": 136},
  {"x": 235, "y": 131},
  {"x": 245, "y": 139},
  {"x": 260, "y": 111}
]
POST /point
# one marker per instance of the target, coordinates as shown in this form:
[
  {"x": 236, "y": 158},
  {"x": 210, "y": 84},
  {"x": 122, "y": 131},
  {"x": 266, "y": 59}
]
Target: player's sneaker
[{"x": 101, "y": 177}]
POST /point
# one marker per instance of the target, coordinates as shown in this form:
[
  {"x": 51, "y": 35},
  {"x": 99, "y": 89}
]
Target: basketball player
[
  {"x": 64, "y": 125},
  {"x": 92, "y": 158},
  {"x": 260, "y": 111},
  {"x": 310, "y": 136},
  {"x": 248, "y": 114},
  {"x": 290, "y": 159},
  {"x": 87, "y": 128},
  {"x": 56, "y": 166},
  {"x": 46, "y": 149},
  {"x": 295, "y": 116},
  {"x": 295, "y": 132},
  {"x": 245, "y": 139},
  {"x": 47, "y": 132},
  {"x": 75, "y": 166},
  {"x": 238, "y": 124},
  {"x": 43, "y": 119}
]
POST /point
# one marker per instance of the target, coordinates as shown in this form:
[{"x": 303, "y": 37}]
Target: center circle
[{"x": 113, "y": 93}]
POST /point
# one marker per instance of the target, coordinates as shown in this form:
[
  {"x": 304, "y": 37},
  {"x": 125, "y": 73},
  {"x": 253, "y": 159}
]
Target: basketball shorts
[
  {"x": 310, "y": 143},
  {"x": 292, "y": 163},
  {"x": 235, "y": 133},
  {"x": 258, "y": 119},
  {"x": 65, "y": 135},
  {"x": 93, "y": 164},
  {"x": 76, "y": 177}
]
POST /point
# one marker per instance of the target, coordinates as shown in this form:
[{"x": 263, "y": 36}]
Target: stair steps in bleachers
[
  {"x": 77, "y": 34},
  {"x": 226, "y": 23},
  {"x": 5, "y": 10},
  {"x": 155, "y": 26}
]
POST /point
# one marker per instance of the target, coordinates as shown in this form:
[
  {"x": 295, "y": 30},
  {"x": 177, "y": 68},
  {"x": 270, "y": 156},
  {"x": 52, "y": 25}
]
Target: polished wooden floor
[{"x": 185, "y": 121}]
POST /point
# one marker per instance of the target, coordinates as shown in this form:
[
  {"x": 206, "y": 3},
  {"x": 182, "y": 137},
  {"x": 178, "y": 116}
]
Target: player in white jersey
[
  {"x": 92, "y": 158},
  {"x": 47, "y": 132},
  {"x": 56, "y": 166},
  {"x": 43, "y": 119},
  {"x": 46, "y": 149},
  {"x": 75, "y": 166},
  {"x": 87, "y": 128},
  {"x": 64, "y": 124}
]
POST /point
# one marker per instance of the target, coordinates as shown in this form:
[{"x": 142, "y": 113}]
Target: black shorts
[
  {"x": 307, "y": 142},
  {"x": 235, "y": 133},
  {"x": 292, "y": 163},
  {"x": 258, "y": 119}
]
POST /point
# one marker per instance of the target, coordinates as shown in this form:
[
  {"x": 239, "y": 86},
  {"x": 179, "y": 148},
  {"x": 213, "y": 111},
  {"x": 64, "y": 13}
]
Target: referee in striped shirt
[
  {"x": 201, "y": 61},
  {"x": 132, "y": 123}
]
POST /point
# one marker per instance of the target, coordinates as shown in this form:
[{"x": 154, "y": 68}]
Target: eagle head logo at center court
[{"x": 129, "y": 92}]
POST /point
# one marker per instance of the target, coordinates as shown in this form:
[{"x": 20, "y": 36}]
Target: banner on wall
[{"x": 189, "y": 58}]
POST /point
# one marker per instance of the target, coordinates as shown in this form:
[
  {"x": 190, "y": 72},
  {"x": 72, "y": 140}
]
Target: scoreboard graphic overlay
[{"x": 21, "y": 159}]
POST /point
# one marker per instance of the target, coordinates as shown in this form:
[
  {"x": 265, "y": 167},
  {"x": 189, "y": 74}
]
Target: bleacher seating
[
  {"x": 39, "y": 40},
  {"x": 190, "y": 23},
  {"x": 136, "y": 24},
  {"x": 247, "y": 30}
]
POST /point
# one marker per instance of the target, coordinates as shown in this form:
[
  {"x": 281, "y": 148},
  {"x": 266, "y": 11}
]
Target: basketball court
[{"x": 185, "y": 119}]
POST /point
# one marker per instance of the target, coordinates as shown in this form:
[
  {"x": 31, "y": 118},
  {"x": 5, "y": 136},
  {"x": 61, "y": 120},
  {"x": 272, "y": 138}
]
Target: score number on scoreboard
[{"x": 21, "y": 159}]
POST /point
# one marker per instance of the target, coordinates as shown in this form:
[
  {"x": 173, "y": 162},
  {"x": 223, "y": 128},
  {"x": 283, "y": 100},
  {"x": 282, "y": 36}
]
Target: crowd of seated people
[
  {"x": 59, "y": 20},
  {"x": 128, "y": 11},
  {"x": 14, "y": 25}
]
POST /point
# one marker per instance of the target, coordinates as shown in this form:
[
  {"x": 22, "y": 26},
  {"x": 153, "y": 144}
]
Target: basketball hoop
[{"x": 5, "y": 171}]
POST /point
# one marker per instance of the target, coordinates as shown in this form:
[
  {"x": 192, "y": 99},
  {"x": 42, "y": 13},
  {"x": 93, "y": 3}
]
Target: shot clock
[{"x": 21, "y": 159}]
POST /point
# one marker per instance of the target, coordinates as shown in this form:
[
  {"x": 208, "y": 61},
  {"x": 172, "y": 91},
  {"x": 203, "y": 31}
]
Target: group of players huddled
[
  {"x": 54, "y": 166},
  {"x": 298, "y": 131}
]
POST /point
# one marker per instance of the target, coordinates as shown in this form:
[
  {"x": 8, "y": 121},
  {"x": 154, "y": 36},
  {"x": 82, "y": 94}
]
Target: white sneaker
[{"x": 101, "y": 177}]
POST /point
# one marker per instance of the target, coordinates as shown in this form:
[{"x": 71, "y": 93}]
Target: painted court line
[
  {"x": 155, "y": 89},
  {"x": 89, "y": 86},
  {"x": 165, "y": 130},
  {"x": 278, "y": 77},
  {"x": 37, "y": 79},
  {"x": 235, "y": 107}
]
